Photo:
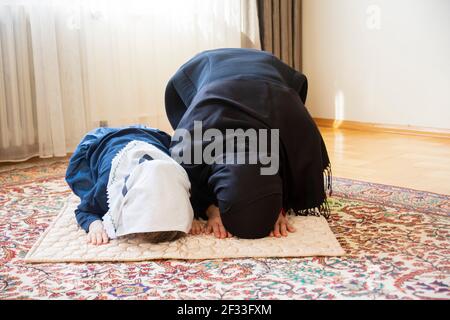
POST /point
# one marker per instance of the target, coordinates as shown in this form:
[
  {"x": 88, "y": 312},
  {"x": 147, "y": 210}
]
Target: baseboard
[{"x": 399, "y": 129}]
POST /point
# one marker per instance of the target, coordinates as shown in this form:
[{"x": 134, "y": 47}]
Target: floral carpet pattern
[{"x": 397, "y": 242}]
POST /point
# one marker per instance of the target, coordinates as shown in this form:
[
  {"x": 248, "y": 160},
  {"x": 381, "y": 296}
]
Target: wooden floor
[{"x": 415, "y": 162}]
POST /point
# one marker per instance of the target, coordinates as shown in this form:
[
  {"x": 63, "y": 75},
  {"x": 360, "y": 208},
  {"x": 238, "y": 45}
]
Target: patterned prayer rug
[
  {"x": 64, "y": 241},
  {"x": 397, "y": 242}
]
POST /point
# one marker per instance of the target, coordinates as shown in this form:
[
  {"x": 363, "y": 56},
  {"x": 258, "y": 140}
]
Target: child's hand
[
  {"x": 282, "y": 227},
  {"x": 197, "y": 227},
  {"x": 215, "y": 225},
  {"x": 97, "y": 234}
]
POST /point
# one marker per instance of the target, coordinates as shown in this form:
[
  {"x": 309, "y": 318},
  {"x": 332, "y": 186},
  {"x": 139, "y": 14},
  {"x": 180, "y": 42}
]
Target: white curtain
[{"x": 67, "y": 66}]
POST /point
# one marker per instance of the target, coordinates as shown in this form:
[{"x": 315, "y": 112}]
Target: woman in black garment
[{"x": 249, "y": 89}]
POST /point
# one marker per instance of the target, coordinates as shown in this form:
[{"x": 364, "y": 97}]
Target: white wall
[{"x": 391, "y": 70}]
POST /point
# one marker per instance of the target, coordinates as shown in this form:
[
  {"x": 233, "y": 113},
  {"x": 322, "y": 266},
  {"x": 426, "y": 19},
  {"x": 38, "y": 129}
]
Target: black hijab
[{"x": 250, "y": 89}]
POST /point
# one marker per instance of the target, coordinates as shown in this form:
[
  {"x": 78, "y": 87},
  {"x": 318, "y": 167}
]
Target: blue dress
[{"x": 90, "y": 165}]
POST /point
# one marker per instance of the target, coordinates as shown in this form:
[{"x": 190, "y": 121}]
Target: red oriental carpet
[{"x": 397, "y": 242}]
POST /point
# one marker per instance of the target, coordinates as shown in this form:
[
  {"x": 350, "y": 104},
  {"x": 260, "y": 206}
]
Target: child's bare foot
[
  {"x": 282, "y": 227},
  {"x": 197, "y": 227},
  {"x": 215, "y": 225},
  {"x": 97, "y": 234}
]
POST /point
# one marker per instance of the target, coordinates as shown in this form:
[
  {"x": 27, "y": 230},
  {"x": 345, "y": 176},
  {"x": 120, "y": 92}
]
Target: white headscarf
[{"x": 148, "y": 191}]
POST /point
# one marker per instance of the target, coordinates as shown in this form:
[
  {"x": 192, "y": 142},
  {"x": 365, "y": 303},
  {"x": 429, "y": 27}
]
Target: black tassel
[
  {"x": 328, "y": 180},
  {"x": 324, "y": 209}
]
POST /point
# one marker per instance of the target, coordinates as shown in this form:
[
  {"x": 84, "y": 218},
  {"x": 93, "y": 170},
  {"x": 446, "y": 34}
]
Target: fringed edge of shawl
[
  {"x": 324, "y": 209},
  {"x": 328, "y": 180}
]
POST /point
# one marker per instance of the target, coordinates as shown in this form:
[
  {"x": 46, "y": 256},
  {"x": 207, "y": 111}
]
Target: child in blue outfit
[{"x": 128, "y": 184}]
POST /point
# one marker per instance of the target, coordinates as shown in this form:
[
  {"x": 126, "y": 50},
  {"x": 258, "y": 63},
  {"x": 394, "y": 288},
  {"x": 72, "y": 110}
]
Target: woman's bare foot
[
  {"x": 197, "y": 227},
  {"x": 282, "y": 227},
  {"x": 215, "y": 225}
]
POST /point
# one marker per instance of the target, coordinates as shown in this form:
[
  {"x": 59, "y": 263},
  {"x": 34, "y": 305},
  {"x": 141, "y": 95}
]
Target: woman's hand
[
  {"x": 282, "y": 227},
  {"x": 215, "y": 225},
  {"x": 197, "y": 227},
  {"x": 97, "y": 234}
]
